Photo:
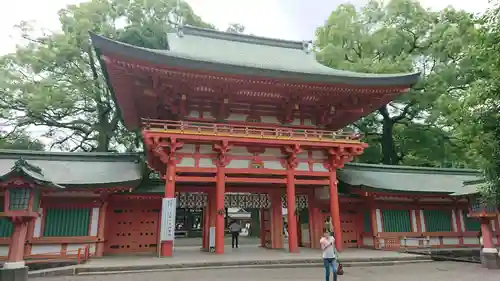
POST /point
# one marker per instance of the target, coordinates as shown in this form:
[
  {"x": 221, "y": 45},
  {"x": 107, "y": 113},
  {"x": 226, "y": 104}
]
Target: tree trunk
[{"x": 389, "y": 155}]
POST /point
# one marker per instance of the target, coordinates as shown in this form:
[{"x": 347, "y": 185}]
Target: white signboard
[
  {"x": 211, "y": 239},
  {"x": 168, "y": 208}
]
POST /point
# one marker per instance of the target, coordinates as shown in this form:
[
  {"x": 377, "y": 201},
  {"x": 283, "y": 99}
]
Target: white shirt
[{"x": 328, "y": 247}]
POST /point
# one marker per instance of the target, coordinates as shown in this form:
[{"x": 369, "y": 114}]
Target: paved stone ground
[{"x": 437, "y": 271}]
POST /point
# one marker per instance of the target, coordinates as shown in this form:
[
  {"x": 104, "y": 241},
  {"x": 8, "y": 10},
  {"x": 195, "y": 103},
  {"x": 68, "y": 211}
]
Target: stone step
[{"x": 276, "y": 264}]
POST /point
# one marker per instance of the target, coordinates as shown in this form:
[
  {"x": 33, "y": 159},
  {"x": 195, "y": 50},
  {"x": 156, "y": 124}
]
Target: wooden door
[{"x": 132, "y": 226}]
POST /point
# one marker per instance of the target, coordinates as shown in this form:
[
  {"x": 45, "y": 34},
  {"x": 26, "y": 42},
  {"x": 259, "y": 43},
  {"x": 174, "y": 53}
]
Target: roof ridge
[
  {"x": 20, "y": 153},
  {"x": 411, "y": 168},
  {"x": 243, "y": 38}
]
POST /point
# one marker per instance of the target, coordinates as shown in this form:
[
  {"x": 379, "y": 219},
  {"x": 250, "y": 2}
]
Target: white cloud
[{"x": 286, "y": 19}]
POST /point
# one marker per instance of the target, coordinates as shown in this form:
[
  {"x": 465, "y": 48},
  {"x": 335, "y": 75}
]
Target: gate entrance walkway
[{"x": 186, "y": 257}]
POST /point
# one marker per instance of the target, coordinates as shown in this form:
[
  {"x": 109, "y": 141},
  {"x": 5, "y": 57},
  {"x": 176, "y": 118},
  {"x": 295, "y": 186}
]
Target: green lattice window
[
  {"x": 396, "y": 220},
  {"x": 437, "y": 220},
  {"x": 64, "y": 222},
  {"x": 19, "y": 199},
  {"x": 6, "y": 227},
  {"x": 367, "y": 221},
  {"x": 471, "y": 224}
]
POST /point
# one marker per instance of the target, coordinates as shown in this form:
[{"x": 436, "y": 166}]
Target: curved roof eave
[{"x": 177, "y": 60}]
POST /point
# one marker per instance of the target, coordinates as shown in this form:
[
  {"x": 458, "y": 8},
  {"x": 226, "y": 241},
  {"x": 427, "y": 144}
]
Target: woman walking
[{"x": 327, "y": 243}]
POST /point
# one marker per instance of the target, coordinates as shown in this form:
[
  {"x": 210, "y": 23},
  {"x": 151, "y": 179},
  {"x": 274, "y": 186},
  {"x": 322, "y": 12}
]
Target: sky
[{"x": 283, "y": 19}]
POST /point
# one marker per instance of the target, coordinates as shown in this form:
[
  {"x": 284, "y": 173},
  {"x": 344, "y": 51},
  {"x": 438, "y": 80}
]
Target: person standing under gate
[
  {"x": 327, "y": 243},
  {"x": 235, "y": 229}
]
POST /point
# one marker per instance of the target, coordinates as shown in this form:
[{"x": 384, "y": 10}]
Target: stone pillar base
[
  {"x": 14, "y": 273},
  {"x": 490, "y": 258}
]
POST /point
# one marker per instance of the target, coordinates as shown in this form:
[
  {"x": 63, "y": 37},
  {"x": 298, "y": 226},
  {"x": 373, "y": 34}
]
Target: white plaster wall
[
  {"x": 275, "y": 165},
  {"x": 422, "y": 221},
  {"x": 52, "y": 249},
  {"x": 462, "y": 221},
  {"x": 186, "y": 162},
  {"x": 73, "y": 248},
  {"x": 368, "y": 241},
  {"x": 37, "y": 231},
  {"x": 303, "y": 155},
  {"x": 237, "y": 163},
  {"x": 206, "y": 163},
  {"x": 471, "y": 241},
  {"x": 240, "y": 151},
  {"x": 378, "y": 216},
  {"x": 237, "y": 117},
  {"x": 207, "y": 115},
  {"x": 95, "y": 222},
  {"x": 4, "y": 250},
  {"x": 194, "y": 114},
  {"x": 410, "y": 242},
  {"x": 302, "y": 167},
  {"x": 451, "y": 241},
  {"x": 318, "y": 155},
  {"x": 308, "y": 122},
  {"x": 454, "y": 221},
  {"x": 206, "y": 149},
  {"x": 188, "y": 148},
  {"x": 272, "y": 152},
  {"x": 319, "y": 167},
  {"x": 270, "y": 120},
  {"x": 414, "y": 220},
  {"x": 434, "y": 241}
]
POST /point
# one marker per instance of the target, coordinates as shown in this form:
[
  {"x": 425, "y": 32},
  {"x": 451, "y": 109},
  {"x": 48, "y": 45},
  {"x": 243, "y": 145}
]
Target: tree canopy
[
  {"x": 449, "y": 119},
  {"x": 397, "y": 37}
]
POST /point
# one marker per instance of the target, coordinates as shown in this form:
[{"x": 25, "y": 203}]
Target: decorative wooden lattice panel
[
  {"x": 236, "y": 200},
  {"x": 437, "y": 220},
  {"x": 471, "y": 224},
  {"x": 66, "y": 222},
  {"x": 396, "y": 221},
  {"x": 301, "y": 202},
  {"x": 247, "y": 200},
  {"x": 191, "y": 200}
]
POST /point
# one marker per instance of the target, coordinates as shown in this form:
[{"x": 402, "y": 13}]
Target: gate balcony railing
[{"x": 247, "y": 131}]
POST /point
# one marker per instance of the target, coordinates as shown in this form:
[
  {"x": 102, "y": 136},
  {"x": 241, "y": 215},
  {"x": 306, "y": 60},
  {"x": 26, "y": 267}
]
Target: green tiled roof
[
  {"x": 34, "y": 173},
  {"x": 77, "y": 169},
  {"x": 410, "y": 179},
  {"x": 204, "y": 49}
]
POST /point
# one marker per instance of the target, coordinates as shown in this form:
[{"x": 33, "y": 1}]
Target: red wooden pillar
[
  {"x": 167, "y": 247},
  {"x": 263, "y": 229},
  {"x": 335, "y": 209},
  {"x": 314, "y": 235},
  {"x": 29, "y": 237},
  {"x": 487, "y": 233},
  {"x": 220, "y": 210},
  {"x": 276, "y": 220},
  {"x": 458, "y": 217},
  {"x": 293, "y": 246},
  {"x": 16, "y": 249},
  {"x": 99, "y": 251},
  {"x": 206, "y": 224}
]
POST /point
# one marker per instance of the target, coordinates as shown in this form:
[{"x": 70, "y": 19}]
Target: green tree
[
  {"x": 55, "y": 80},
  {"x": 402, "y": 36},
  {"x": 475, "y": 116},
  {"x": 19, "y": 140}
]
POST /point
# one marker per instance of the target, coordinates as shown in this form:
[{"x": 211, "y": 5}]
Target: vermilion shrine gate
[{"x": 223, "y": 112}]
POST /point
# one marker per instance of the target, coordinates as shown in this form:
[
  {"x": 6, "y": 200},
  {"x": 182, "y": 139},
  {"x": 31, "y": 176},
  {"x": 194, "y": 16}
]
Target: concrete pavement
[{"x": 437, "y": 271}]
